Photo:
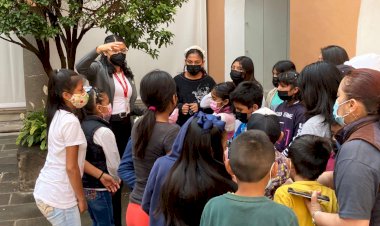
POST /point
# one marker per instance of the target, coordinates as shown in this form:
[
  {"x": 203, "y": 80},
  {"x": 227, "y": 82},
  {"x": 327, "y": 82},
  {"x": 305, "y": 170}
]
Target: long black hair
[
  {"x": 197, "y": 176},
  {"x": 110, "y": 67},
  {"x": 157, "y": 89},
  {"x": 318, "y": 84},
  {"x": 248, "y": 67},
  {"x": 61, "y": 80}
]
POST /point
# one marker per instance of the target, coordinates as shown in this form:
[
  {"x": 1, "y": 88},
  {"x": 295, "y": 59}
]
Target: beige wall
[
  {"x": 316, "y": 24},
  {"x": 215, "y": 39}
]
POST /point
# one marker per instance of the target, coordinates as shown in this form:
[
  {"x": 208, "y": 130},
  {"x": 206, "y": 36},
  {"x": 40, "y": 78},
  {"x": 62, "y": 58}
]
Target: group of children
[{"x": 229, "y": 154}]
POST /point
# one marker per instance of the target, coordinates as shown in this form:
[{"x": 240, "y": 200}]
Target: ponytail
[
  {"x": 157, "y": 89},
  {"x": 144, "y": 130}
]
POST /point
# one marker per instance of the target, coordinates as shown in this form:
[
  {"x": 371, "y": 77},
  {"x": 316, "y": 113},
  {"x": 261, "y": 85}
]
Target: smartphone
[{"x": 308, "y": 195}]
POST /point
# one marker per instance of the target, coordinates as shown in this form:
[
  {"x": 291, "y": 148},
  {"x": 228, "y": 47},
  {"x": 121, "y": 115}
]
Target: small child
[
  {"x": 291, "y": 111},
  {"x": 252, "y": 162},
  {"x": 246, "y": 98},
  {"x": 309, "y": 155},
  {"x": 221, "y": 105},
  {"x": 267, "y": 121},
  {"x": 101, "y": 152}
]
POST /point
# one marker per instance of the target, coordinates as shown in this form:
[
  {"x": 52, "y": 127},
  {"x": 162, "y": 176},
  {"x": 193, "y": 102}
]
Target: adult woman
[
  {"x": 192, "y": 84},
  {"x": 273, "y": 100},
  {"x": 357, "y": 169},
  {"x": 112, "y": 75},
  {"x": 318, "y": 84},
  {"x": 333, "y": 54},
  {"x": 152, "y": 137},
  {"x": 198, "y": 174}
]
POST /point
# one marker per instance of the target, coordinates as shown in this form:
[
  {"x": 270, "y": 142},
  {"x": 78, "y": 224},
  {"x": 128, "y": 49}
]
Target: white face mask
[{"x": 269, "y": 184}]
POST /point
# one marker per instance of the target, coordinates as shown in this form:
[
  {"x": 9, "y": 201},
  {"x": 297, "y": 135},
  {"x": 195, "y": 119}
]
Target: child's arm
[
  {"x": 106, "y": 139},
  {"x": 73, "y": 172},
  {"x": 126, "y": 169}
]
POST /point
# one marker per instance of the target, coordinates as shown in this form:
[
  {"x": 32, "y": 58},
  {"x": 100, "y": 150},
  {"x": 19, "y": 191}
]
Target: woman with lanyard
[{"x": 111, "y": 74}]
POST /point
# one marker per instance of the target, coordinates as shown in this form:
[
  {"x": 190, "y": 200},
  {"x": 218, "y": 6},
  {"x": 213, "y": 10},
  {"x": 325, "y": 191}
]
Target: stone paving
[{"x": 18, "y": 208}]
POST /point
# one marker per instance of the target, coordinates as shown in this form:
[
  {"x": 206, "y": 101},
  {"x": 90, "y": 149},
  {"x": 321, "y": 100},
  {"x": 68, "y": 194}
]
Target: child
[
  {"x": 252, "y": 162},
  {"x": 267, "y": 121},
  {"x": 273, "y": 100},
  {"x": 246, "y": 98},
  {"x": 308, "y": 155},
  {"x": 58, "y": 192},
  {"x": 102, "y": 152},
  {"x": 221, "y": 105},
  {"x": 291, "y": 111},
  {"x": 192, "y": 84},
  {"x": 152, "y": 136},
  {"x": 181, "y": 189}
]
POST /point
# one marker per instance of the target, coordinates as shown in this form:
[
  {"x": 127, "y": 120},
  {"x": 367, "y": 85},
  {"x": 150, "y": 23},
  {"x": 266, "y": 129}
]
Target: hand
[
  {"x": 185, "y": 109},
  {"x": 313, "y": 205},
  {"x": 82, "y": 205},
  {"x": 194, "y": 107},
  {"x": 110, "y": 183},
  {"x": 112, "y": 46}
]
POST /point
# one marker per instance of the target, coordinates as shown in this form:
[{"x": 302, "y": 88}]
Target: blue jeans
[
  {"x": 100, "y": 207},
  {"x": 60, "y": 217}
]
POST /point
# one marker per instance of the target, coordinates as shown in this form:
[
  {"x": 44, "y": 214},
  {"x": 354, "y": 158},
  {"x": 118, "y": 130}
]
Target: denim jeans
[
  {"x": 60, "y": 217},
  {"x": 100, "y": 207}
]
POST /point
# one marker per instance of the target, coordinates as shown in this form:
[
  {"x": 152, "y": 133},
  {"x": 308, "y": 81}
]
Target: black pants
[{"x": 121, "y": 127}]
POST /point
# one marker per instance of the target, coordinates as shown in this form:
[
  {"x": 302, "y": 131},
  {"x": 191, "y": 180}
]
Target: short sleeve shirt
[
  {"x": 53, "y": 186},
  {"x": 356, "y": 180}
]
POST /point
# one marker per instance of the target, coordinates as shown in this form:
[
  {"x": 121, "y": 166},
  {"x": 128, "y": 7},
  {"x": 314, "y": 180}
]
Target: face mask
[
  {"x": 107, "y": 116},
  {"x": 236, "y": 76},
  {"x": 79, "y": 100},
  {"x": 339, "y": 119},
  {"x": 242, "y": 117},
  {"x": 283, "y": 95},
  {"x": 214, "y": 106},
  {"x": 118, "y": 59},
  {"x": 193, "y": 69},
  {"x": 269, "y": 184},
  {"x": 275, "y": 81}
]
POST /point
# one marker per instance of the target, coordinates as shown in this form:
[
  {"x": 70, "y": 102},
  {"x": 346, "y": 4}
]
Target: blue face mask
[{"x": 339, "y": 119}]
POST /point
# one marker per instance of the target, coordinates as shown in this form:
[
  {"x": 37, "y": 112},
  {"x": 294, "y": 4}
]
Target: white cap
[
  {"x": 195, "y": 47},
  {"x": 371, "y": 61},
  {"x": 264, "y": 111}
]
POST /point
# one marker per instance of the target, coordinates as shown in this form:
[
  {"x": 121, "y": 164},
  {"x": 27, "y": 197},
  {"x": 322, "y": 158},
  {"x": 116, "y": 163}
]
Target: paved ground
[{"x": 18, "y": 208}]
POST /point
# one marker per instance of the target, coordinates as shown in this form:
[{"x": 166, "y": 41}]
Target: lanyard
[{"x": 125, "y": 85}]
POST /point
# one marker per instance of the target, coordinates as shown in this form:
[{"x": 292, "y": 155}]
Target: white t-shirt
[
  {"x": 316, "y": 126},
  {"x": 53, "y": 186},
  {"x": 121, "y": 103}
]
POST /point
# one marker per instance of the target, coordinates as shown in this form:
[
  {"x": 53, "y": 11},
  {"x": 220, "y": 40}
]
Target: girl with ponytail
[{"x": 152, "y": 136}]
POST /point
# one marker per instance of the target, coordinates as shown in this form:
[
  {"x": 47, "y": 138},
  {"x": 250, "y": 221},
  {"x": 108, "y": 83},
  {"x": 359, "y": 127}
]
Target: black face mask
[
  {"x": 118, "y": 59},
  {"x": 193, "y": 69},
  {"x": 236, "y": 76},
  {"x": 275, "y": 81},
  {"x": 242, "y": 117},
  {"x": 283, "y": 95}
]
